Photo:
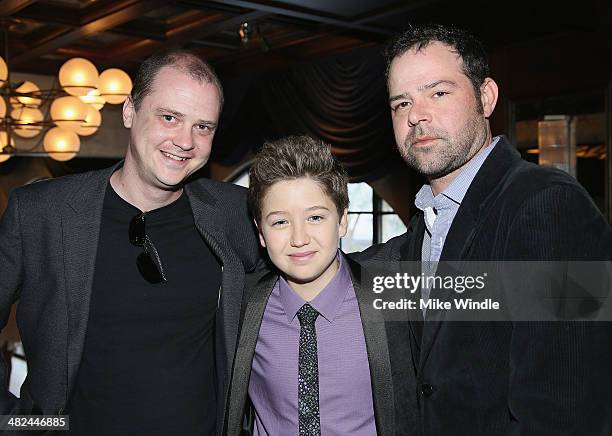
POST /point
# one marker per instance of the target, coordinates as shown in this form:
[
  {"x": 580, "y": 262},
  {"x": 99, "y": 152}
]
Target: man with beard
[{"x": 484, "y": 203}]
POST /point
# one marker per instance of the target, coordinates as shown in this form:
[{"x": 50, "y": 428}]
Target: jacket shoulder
[
  {"x": 220, "y": 189},
  {"x": 53, "y": 190},
  {"x": 530, "y": 175},
  {"x": 230, "y": 203},
  {"x": 390, "y": 250},
  {"x": 526, "y": 180}
]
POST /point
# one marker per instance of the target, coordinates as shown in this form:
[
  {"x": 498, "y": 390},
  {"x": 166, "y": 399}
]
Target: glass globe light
[
  {"x": 27, "y": 87},
  {"x": 3, "y": 143},
  {"x": 78, "y": 76},
  {"x": 24, "y": 118},
  {"x": 61, "y": 144},
  {"x": 93, "y": 121},
  {"x": 115, "y": 85},
  {"x": 68, "y": 112},
  {"x": 94, "y": 99},
  {"x": 2, "y": 107},
  {"x": 3, "y": 72}
]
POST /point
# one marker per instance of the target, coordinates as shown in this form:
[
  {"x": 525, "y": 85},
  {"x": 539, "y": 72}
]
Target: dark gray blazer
[
  {"x": 48, "y": 243},
  {"x": 260, "y": 287},
  {"x": 520, "y": 378}
]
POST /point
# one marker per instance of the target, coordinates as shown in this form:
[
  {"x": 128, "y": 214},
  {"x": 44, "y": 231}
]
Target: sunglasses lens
[
  {"x": 149, "y": 263},
  {"x": 148, "y": 268},
  {"x": 137, "y": 230}
]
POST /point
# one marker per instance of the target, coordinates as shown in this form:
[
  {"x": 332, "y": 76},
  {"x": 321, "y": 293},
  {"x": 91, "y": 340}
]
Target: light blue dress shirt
[{"x": 440, "y": 211}]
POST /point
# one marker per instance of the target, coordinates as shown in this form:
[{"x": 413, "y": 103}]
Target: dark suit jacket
[
  {"x": 48, "y": 243},
  {"x": 375, "y": 338},
  {"x": 520, "y": 378}
]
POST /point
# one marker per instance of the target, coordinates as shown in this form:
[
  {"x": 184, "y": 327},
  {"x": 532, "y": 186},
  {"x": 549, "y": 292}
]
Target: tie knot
[{"x": 307, "y": 315}]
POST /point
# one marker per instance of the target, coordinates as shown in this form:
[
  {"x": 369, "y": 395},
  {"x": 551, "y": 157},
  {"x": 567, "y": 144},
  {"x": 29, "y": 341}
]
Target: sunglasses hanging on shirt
[{"x": 149, "y": 263}]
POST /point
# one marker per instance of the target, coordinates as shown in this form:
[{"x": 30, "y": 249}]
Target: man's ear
[
  {"x": 343, "y": 223},
  {"x": 488, "y": 96},
  {"x": 128, "y": 112},
  {"x": 262, "y": 241}
]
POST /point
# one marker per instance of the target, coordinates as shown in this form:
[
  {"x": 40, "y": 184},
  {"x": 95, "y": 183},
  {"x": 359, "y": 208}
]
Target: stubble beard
[{"x": 447, "y": 154}]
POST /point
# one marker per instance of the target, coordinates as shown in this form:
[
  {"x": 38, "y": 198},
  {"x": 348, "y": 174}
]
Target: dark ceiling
[{"x": 40, "y": 35}]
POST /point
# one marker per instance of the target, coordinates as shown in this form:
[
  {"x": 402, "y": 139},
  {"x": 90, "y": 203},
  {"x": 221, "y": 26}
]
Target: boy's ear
[
  {"x": 343, "y": 223},
  {"x": 262, "y": 241}
]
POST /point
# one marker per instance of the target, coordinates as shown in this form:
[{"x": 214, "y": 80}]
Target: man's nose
[
  {"x": 419, "y": 112},
  {"x": 184, "y": 138}
]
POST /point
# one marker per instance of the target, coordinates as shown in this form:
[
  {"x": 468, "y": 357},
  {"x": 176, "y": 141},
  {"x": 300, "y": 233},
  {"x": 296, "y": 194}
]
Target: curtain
[{"x": 342, "y": 100}]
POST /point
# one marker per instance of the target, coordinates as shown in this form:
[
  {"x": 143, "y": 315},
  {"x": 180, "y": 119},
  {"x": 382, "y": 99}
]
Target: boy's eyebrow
[
  {"x": 317, "y": 207},
  {"x": 275, "y": 212},
  {"x": 311, "y": 208}
]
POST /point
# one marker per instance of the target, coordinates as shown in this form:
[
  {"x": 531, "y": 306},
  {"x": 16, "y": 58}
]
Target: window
[
  {"x": 588, "y": 136},
  {"x": 370, "y": 218},
  {"x": 242, "y": 179},
  {"x": 391, "y": 224}
]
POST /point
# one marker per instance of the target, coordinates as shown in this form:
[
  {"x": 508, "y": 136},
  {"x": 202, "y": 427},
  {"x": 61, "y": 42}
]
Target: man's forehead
[
  {"x": 172, "y": 81},
  {"x": 168, "y": 75},
  {"x": 425, "y": 65},
  {"x": 434, "y": 52}
]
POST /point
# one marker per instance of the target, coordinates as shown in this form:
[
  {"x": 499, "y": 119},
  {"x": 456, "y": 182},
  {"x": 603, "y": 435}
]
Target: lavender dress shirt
[{"x": 345, "y": 391}]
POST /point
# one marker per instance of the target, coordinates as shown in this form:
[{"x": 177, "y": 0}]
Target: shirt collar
[
  {"x": 457, "y": 189},
  {"x": 326, "y": 303}
]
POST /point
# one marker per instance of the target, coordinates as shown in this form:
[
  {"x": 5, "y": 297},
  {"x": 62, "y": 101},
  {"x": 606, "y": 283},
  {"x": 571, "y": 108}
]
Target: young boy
[{"x": 306, "y": 360}]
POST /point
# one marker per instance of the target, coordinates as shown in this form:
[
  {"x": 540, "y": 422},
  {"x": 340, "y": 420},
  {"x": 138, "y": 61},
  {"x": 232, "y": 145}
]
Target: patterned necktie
[{"x": 308, "y": 373}]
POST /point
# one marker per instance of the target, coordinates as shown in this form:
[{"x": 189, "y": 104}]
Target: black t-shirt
[{"x": 148, "y": 364}]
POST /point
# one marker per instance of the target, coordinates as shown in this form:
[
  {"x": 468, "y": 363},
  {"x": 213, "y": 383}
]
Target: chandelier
[{"x": 62, "y": 114}]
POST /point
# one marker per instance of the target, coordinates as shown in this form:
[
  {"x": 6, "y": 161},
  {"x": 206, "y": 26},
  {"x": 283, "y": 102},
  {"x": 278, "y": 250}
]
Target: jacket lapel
[
  {"x": 411, "y": 253},
  {"x": 207, "y": 221},
  {"x": 457, "y": 243},
  {"x": 81, "y": 219},
  {"x": 411, "y": 250},
  {"x": 377, "y": 347},
  {"x": 251, "y": 323},
  {"x": 484, "y": 188}
]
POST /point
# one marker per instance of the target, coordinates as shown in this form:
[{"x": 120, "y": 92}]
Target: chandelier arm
[
  {"x": 29, "y": 151},
  {"x": 31, "y": 118}
]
